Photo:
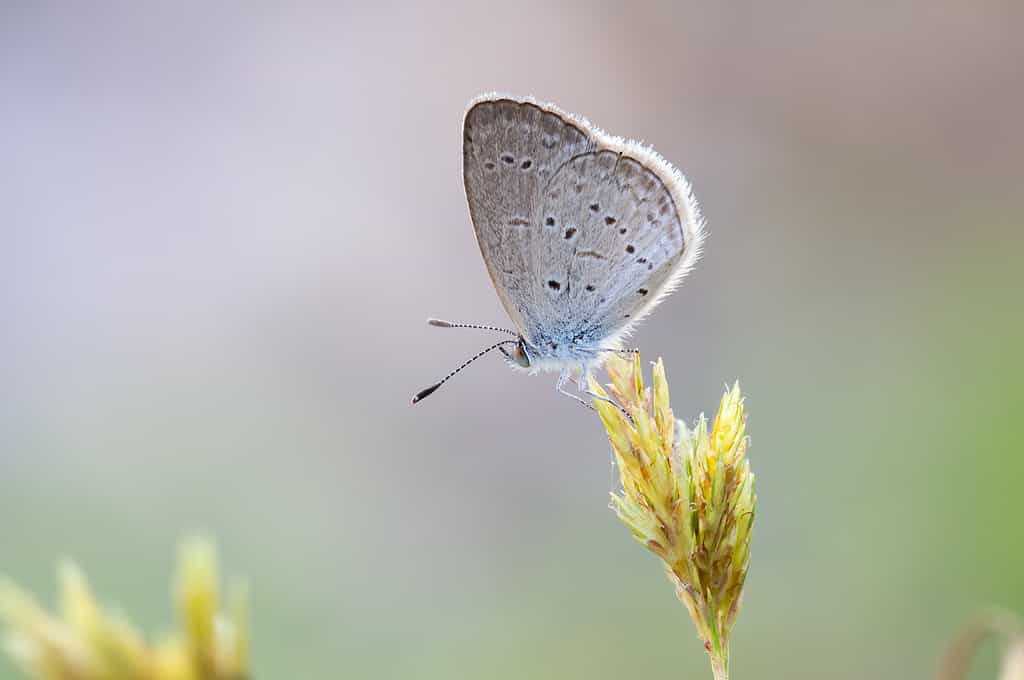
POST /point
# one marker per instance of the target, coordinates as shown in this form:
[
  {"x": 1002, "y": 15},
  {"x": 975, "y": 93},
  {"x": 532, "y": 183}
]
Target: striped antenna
[
  {"x": 426, "y": 392},
  {"x": 448, "y": 324}
]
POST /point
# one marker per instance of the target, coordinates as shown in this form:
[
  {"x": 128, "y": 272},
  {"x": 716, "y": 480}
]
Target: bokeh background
[{"x": 221, "y": 229}]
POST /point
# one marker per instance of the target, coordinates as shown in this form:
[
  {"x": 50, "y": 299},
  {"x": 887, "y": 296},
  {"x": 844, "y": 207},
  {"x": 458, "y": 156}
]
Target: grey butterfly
[{"x": 583, "y": 234}]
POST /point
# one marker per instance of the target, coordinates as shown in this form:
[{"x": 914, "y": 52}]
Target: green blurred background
[{"x": 222, "y": 227}]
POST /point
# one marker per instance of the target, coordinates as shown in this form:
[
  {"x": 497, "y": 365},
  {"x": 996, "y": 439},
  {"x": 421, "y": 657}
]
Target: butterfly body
[
  {"x": 582, "y": 233},
  {"x": 554, "y": 354}
]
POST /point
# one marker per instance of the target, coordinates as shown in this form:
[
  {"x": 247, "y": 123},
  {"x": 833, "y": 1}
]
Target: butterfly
[{"x": 583, "y": 234}]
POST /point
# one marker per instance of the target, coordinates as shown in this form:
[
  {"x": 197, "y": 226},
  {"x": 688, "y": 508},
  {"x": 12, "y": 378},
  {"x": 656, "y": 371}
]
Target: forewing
[{"x": 511, "y": 151}]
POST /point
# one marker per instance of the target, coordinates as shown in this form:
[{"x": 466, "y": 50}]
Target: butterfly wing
[
  {"x": 511, "y": 150},
  {"x": 583, "y": 234},
  {"x": 623, "y": 230}
]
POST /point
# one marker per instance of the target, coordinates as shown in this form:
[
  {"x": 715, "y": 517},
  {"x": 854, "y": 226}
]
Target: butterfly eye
[{"x": 520, "y": 356}]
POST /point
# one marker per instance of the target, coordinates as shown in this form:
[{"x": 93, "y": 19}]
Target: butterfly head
[{"x": 518, "y": 356}]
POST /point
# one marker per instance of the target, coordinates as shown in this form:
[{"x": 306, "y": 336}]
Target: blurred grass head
[{"x": 85, "y": 641}]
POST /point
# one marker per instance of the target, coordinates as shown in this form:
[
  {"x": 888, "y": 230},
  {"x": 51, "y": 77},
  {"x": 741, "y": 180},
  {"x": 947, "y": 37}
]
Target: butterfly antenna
[
  {"x": 448, "y": 324},
  {"x": 426, "y": 392}
]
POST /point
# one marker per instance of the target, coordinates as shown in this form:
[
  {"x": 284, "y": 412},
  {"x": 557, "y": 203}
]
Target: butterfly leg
[
  {"x": 582, "y": 384},
  {"x": 563, "y": 379}
]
